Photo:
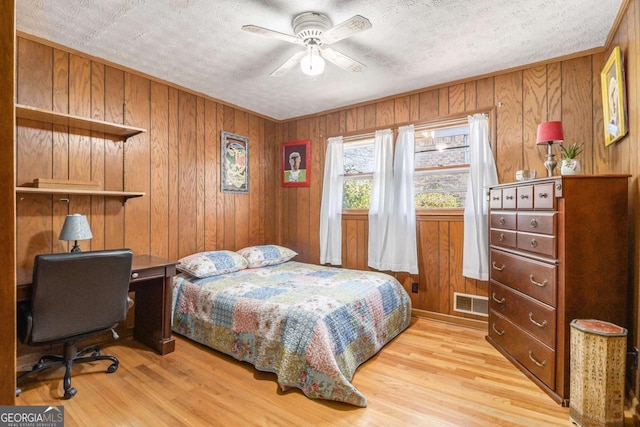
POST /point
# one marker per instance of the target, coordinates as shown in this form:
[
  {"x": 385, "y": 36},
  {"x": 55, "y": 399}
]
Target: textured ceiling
[{"x": 198, "y": 44}]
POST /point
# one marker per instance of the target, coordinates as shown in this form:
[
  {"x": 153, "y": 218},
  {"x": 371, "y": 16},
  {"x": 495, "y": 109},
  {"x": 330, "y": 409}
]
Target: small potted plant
[{"x": 570, "y": 164}]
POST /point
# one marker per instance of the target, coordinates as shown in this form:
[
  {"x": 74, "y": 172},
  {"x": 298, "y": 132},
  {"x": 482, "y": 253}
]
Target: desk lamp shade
[
  {"x": 76, "y": 227},
  {"x": 550, "y": 133}
]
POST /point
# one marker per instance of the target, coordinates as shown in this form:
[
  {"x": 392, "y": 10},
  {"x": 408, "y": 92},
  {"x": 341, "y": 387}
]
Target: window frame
[{"x": 440, "y": 122}]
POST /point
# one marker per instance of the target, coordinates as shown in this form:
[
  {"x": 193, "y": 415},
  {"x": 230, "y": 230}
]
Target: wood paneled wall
[
  {"x": 7, "y": 204},
  {"x": 176, "y": 162},
  {"x": 567, "y": 90},
  {"x": 624, "y": 157}
]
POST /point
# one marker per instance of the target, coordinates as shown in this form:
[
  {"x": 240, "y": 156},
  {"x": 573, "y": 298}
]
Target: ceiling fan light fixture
[{"x": 312, "y": 64}]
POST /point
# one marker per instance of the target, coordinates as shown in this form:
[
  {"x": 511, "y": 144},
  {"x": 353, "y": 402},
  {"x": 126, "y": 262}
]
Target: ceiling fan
[{"x": 314, "y": 31}]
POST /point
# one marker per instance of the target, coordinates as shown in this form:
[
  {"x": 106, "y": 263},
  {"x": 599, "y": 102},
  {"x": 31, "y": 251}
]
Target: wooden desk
[{"x": 151, "y": 278}]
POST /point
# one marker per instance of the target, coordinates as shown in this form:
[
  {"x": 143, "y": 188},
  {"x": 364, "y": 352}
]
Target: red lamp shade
[{"x": 550, "y": 133}]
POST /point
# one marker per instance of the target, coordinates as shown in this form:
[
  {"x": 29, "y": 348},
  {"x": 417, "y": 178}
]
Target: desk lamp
[
  {"x": 550, "y": 133},
  {"x": 76, "y": 227}
]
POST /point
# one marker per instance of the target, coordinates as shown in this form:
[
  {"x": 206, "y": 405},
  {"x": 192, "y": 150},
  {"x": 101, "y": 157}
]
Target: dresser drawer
[
  {"x": 495, "y": 198},
  {"x": 503, "y": 219},
  {"x": 503, "y": 238},
  {"x": 537, "y": 222},
  {"x": 534, "y": 278},
  {"x": 536, "y": 357},
  {"x": 525, "y": 197},
  {"x": 537, "y": 243},
  {"x": 544, "y": 196},
  {"x": 534, "y": 317},
  {"x": 509, "y": 198}
]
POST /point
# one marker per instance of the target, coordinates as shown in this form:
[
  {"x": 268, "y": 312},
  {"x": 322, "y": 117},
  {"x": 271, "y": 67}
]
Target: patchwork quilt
[{"x": 310, "y": 325}]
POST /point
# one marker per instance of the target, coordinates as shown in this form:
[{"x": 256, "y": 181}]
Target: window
[
  {"x": 442, "y": 165},
  {"x": 441, "y": 162},
  {"x": 358, "y": 173}
]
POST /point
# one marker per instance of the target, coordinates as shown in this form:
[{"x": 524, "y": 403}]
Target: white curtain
[
  {"x": 381, "y": 197},
  {"x": 482, "y": 174},
  {"x": 331, "y": 206},
  {"x": 402, "y": 230},
  {"x": 397, "y": 241}
]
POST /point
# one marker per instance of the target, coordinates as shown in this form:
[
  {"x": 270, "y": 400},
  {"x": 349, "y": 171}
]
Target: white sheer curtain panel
[
  {"x": 381, "y": 197},
  {"x": 403, "y": 250},
  {"x": 482, "y": 174},
  {"x": 331, "y": 206}
]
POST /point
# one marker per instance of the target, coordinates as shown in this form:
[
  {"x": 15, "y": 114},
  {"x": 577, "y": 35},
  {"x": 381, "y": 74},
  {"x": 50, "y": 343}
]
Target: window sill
[{"x": 420, "y": 213}]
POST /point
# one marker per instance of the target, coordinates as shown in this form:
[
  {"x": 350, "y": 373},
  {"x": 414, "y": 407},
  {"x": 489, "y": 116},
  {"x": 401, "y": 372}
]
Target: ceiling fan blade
[
  {"x": 270, "y": 33},
  {"x": 342, "y": 60},
  {"x": 348, "y": 28},
  {"x": 289, "y": 64}
]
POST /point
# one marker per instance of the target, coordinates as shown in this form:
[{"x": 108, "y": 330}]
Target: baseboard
[{"x": 447, "y": 318}]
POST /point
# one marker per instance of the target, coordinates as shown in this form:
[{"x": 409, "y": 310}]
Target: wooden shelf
[
  {"x": 125, "y": 194},
  {"x": 47, "y": 116}
]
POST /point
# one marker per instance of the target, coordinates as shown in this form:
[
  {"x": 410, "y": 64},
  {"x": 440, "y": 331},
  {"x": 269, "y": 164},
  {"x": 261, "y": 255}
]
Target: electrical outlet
[{"x": 414, "y": 287}]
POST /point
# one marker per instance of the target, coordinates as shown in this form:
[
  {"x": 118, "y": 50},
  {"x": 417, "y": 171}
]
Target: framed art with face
[{"x": 296, "y": 164}]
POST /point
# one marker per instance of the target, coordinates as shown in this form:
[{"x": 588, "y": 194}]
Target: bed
[{"x": 310, "y": 325}]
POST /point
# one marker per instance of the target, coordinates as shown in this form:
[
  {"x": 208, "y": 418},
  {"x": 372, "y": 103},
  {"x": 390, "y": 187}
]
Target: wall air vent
[{"x": 470, "y": 304}]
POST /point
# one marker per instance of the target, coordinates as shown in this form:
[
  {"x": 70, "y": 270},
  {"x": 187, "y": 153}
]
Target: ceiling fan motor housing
[{"x": 309, "y": 26}]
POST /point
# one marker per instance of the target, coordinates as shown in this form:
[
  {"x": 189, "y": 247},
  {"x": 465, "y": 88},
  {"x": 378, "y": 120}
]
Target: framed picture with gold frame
[{"x": 614, "y": 105}]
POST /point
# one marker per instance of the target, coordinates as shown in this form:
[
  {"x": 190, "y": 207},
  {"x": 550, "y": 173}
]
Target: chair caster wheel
[
  {"x": 112, "y": 368},
  {"x": 69, "y": 393}
]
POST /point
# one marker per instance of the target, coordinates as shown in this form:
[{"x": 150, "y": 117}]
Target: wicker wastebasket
[{"x": 598, "y": 352}]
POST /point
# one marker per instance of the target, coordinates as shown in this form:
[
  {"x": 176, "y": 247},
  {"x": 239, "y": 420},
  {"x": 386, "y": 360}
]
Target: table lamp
[
  {"x": 76, "y": 227},
  {"x": 550, "y": 133}
]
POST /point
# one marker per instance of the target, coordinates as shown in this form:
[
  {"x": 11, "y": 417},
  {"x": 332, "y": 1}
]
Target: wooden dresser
[{"x": 558, "y": 252}]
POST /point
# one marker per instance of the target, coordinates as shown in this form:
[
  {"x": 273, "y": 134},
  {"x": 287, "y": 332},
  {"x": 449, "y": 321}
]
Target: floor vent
[{"x": 471, "y": 304}]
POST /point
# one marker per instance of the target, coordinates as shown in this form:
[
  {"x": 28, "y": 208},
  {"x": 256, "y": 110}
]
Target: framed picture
[
  {"x": 614, "y": 98},
  {"x": 296, "y": 164},
  {"x": 234, "y": 163}
]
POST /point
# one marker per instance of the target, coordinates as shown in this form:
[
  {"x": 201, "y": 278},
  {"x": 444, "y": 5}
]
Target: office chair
[{"x": 75, "y": 295}]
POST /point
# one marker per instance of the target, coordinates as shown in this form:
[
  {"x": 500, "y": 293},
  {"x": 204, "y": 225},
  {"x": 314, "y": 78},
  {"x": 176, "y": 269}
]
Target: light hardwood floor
[{"x": 433, "y": 374}]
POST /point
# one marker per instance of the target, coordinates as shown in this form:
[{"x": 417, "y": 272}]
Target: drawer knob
[
  {"x": 134, "y": 275},
  {"x": 502, "y": 221},
  {"x": 533, "y": 223},
  {"x": 533, "y": 243},
  {"x": 493, "y": 326},
  {"x": 524, "y": 196},
  {"x": 495, "y": 267},
  {"x": 538, "y": 324},
  {"x": 542, "y": 195},
  {"x": 542, "y": 285},
  {"x": 534, "y": 360},
  {"x": 501, "y": 237},
  {"x": 499, "y": 301},
  {"x": 496, "y": 198},
  {"x": 509, "y": 197}
]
